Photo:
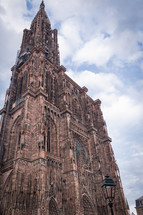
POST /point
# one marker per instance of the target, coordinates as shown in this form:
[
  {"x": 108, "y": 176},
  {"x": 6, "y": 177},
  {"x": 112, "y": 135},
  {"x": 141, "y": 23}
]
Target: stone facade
[
  {"x": 139, "y": 206},
  {"x": 55, "y": 149}
]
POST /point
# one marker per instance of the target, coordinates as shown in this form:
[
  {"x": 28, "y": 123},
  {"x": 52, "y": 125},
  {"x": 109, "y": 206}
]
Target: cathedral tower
[{"x": 54, "y": 146}]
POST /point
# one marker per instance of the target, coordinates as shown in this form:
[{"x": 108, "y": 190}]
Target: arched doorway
[
  {"x": 53, "y": 208},
  {"x": 87, "y": 206}
]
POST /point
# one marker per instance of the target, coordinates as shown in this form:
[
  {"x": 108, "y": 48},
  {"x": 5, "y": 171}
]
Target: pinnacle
[{"x": 42, "y": 5}]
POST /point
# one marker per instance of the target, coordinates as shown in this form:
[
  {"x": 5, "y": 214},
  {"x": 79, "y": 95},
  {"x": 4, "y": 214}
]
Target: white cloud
[
  {"x": 100, "y": 50},
  {"x": 63, "y": 9},
  {"x": 124, "y": 112},
  {"x": 13, "y": 15},
  {"x": 69, "y": 37},
  {"x": 9, "y": 42},
  {"x": 138, "y": 154},
  {"x": 138, "y": 151},
  {"x": 96, "y": 51}
]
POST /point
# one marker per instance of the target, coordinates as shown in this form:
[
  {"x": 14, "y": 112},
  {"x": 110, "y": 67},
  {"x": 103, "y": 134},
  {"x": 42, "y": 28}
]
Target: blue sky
[{"x": 101, "y": 45}]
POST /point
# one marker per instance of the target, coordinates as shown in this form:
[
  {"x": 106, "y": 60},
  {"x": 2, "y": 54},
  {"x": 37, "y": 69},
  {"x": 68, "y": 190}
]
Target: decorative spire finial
[{"x": 42, "y": 5}]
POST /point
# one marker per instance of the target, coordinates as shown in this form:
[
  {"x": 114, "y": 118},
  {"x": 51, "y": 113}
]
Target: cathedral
[{"x": 54, "y": 147}]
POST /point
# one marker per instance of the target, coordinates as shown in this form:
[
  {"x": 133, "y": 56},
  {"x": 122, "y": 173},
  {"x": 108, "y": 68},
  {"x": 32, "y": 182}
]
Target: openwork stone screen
[
  {"x": 88, "y": 210},
  {"x": 53, "y": 207}
]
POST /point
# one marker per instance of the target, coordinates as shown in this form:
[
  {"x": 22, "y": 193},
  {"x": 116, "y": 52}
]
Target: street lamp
[{"x": 108, "y": 187}]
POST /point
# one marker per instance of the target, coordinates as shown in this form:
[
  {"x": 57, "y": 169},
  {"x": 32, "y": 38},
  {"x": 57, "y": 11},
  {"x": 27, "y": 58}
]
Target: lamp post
[{"x": 108, "y": 187}]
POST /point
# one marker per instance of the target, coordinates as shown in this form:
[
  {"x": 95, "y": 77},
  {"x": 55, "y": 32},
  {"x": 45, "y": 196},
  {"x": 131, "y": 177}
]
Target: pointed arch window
[
  {"x": 20, "y": 86},
  {"x": 51, "y": 137},
  {"x": 47, "y": 79},
  {"x": 53, "y": 208},
  {"x": 26, "y": 77},
  {"x": 42, "y": 81},
  {"x": 48, "y": 139},
  {"x": 80, "y": 153},
  {"x": 19, "y": 140}
]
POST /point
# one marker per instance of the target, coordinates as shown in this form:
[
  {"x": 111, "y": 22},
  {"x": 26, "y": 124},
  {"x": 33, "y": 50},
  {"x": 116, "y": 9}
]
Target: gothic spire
[
  {"x": 41, "y": 35},
  {"x": 41, "y": 16},
  {"x": 39, "y": 28}
]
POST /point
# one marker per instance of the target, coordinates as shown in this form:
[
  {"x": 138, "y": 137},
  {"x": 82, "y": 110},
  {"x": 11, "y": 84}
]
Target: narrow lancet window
[
  {"x": 48, "y": 139},
  {"x": 19, "y": 140},
  {"x": 20, "y": 87}
]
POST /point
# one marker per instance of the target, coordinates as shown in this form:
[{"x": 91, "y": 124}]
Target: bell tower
[{"x": 54, "y": 146}]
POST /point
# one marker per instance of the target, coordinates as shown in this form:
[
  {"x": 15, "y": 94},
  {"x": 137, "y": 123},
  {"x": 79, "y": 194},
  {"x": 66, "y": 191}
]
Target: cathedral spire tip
[{"x": 42, "y": 5}]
